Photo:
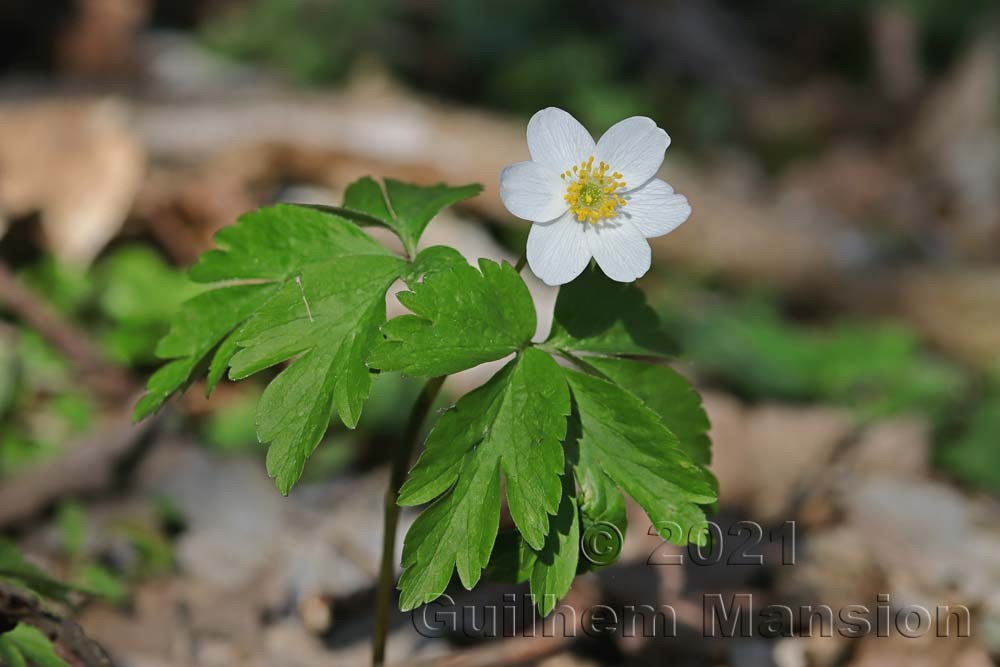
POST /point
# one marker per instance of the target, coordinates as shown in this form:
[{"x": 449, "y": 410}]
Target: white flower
[{"x": 591, "y": 200}]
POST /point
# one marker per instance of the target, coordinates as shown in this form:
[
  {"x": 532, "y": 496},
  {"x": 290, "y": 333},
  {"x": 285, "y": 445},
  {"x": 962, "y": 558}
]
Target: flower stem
[
  {"x": 387, "y": 570},
  {"x": 521, "y": 262}
]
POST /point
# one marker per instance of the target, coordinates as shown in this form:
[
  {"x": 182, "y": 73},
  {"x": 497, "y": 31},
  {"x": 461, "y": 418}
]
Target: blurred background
[{"x": 836, "y": 293}]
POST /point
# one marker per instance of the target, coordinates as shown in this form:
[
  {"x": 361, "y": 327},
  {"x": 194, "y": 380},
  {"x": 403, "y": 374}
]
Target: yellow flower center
[{"x": 592, "y": 193}]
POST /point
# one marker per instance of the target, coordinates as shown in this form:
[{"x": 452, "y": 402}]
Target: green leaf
[
  {"x": 551, "y": 569},
  {"x": 96, "y": 579},
  {"x": 273, "y": 243},
  {"x": 66, "y": 286},
  {"x": 151, "y": 544},
  {"x": 875, "y": 368},
  {"x": 461, "y": 318},
  {"x": 125, "y": 281},
  {"x": 972, "y": 455},
  {"x": 31, "y": 645},
  {"x": 10, "y": 655},
  {"x": 10, "y": 368},
  {"x": 220, "y": 361},
  {"x": 456, "y": 532},
  {"x": 596, "y": 314},
  {"x": 198, "y": 328},
  {"x": 414, "y": 205},
  {"x": 555, "y": 563},
  {"x": 365, "y": 196},
  {"x": 629, "y": 443},
  {"x": 316, "y": 294},
  {"x": 324, "y": 303},
  {"x": 409, "y": 207},
  {"x": 512, "y": 560},
  {"x": 514, "y": 423},
  {"x": 310, "y": 289},
  {"x": 269, "y": 246},
  {"x": 331, "y": 316},
  {"x": 434, "y": 259},
  {"x": 603, "y": 515},
  {"x": 130, "y": 275},
  {"x": 15, "y": 568},
  {"x": 667, "y": 393},
  {"x": 72, "y": 522}
]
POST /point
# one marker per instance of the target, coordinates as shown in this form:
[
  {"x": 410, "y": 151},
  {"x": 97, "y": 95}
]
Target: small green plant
[
  {"x": 42, "y": 408},
  {"x": 877, "y": 369},
  {"x": 565, "y": 427},
  {"x": 21, "y": 643},
  {"x": 26, "y": 645},
  {"x": 971, "y": 454},
  {"x": 153, "y": 554}
]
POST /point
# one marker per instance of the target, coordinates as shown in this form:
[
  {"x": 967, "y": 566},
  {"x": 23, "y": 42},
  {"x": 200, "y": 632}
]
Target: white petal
[
  {"x": 620, "y": 249},
  {"x": 655, "y": 209},
  {"x": 634, "y": 147},
  {"x": 558, "y": 140},
  {"x": 558, "y": 251},
  {"x": 533, "y": 191}
]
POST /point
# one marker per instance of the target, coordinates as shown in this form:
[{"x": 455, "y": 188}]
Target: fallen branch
[
  {"x": 548, "y": 640},
  {"x": 87, "y": 466},
  {"x": 95, "y": 370},
  {"x": 19, "y": 606},
  {"x": 500, "y": 653}
]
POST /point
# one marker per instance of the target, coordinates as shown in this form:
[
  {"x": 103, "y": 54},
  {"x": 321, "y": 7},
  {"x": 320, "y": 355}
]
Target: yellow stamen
[{"x": 593, "y": 195}]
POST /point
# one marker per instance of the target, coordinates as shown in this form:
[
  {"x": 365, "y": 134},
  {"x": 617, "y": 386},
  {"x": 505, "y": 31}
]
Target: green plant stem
[
  {"x": 521, "y": 262},
  {"x": 387, "y": 570}
]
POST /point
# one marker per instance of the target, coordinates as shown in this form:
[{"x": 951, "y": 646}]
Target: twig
[
  {"x": 387, "y": 569},
  {"x": 96, "y": 371},
  {"x": 20, "y": 606},
  {"x": 553, "y": 637},
  {"x": 500, "y": 653},
  {"x": 86, "y": 466}
]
